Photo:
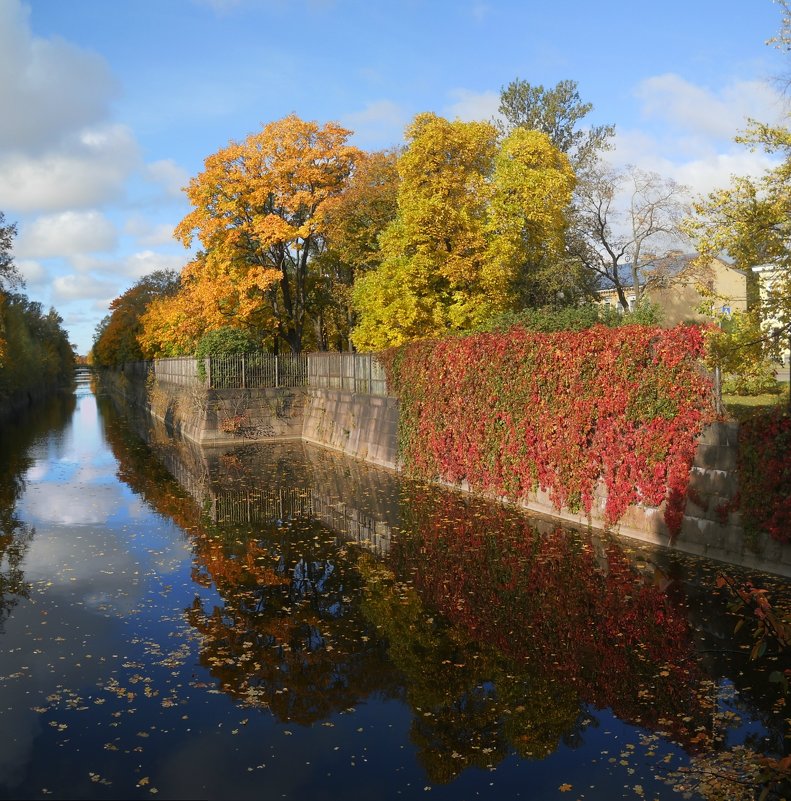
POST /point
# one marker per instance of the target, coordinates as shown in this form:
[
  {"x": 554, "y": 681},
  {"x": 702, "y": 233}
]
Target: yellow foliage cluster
[{"x": 475, "y": 214}]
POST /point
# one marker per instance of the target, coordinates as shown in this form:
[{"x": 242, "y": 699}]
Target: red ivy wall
[{"x": 566, "y": 412}]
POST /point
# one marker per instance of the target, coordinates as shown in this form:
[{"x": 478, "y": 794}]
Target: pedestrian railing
[{"x": 355, "y": 372}]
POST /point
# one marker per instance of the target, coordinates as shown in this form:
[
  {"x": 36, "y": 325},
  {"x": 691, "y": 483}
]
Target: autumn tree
[
  {"x": 210, "y": 297},
  {"x": 354, "y": 222},
  {"x": 750, "y": 220},
  {"x": 258, "y": 214},
  {"x": 116, "y": 337},
  {"x": 472, "y": 212},
  {"x": 625, "y": 223}
]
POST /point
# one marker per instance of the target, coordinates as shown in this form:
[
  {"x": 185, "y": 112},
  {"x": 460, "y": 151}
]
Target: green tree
[{"x": 557, "y": 112}]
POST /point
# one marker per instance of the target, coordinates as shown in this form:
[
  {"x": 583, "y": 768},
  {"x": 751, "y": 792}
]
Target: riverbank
[{"x": 366, "y": 427}]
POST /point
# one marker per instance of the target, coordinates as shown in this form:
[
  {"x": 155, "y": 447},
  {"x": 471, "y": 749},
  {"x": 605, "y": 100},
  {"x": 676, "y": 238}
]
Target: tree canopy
[
  {"x": 258, "y": 213},
  {"x": 557, "y": 112},
  {"x": 116, "y": 337},
  {"x": 474, "y": 216}
]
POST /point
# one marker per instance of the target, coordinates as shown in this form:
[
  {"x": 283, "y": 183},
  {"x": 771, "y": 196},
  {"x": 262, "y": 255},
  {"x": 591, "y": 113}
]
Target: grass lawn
[{"x": 743, "y": 407}]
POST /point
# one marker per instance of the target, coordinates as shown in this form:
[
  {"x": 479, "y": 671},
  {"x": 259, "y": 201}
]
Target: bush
[
  {"x": 223, "y": 342},
  {"x": 758, "y": 379},
  {"x": 573, "y": 318}
]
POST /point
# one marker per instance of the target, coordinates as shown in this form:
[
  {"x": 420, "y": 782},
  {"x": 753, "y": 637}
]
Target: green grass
[{"x": 743, "y": 407}]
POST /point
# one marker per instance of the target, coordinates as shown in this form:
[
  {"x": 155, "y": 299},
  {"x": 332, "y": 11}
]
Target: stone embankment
[{"x": 366, "y": 427}]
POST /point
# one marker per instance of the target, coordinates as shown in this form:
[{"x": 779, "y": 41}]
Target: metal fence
[
  {"x": 254, "y": 371},
  {"x": 356, "y": 372}
]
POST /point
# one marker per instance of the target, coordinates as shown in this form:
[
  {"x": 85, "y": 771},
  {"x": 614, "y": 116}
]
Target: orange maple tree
[{"x": 257, "y": 213}]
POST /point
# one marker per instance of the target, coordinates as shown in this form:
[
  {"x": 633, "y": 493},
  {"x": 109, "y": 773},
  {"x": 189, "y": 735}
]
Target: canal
[{"x": 276, "y": 622}]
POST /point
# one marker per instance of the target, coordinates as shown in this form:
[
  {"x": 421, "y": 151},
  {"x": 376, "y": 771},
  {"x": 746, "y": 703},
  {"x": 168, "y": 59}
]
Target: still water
[{"x": 280, "y": 623}]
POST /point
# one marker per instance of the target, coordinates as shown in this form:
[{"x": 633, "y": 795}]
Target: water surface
[{"x": 272, "y": 622}]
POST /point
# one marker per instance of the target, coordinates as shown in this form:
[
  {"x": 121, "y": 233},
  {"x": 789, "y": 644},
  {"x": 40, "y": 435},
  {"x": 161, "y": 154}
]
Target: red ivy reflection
[{"x": 570, "y": 605}]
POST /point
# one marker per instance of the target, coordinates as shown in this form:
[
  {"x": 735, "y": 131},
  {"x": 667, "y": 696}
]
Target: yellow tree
[
  {"x": 211, "y": 296},
  {"x": 257, "y": 211},
  {"x": 429, "y": 279},
  {"x": 473, "y": 218}
]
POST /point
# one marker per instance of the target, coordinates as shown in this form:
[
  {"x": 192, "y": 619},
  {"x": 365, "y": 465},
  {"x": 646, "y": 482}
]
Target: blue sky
[{"x": 109, "y": 106}]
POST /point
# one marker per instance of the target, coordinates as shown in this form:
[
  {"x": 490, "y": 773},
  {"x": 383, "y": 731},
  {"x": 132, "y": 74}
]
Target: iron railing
[{"x": 355, "y": 372}]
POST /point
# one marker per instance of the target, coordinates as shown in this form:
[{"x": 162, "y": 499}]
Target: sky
[{"x": 108, "y": 107}]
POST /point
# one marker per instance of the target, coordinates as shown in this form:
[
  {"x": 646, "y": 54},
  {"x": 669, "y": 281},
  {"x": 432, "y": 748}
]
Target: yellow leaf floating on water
[{"x": 564, "y": 788}]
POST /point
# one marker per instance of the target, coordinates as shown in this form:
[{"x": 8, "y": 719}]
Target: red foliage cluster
[
  {"x": 765, "y": 474},
  {"x": 616, "y": 410}
]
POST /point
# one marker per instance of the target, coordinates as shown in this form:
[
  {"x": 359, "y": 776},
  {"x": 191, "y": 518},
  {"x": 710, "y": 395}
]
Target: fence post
[
  {"x": 244, "y": 377},
  {"x": 277, "y": 370},
  {"x": 207, "y": 361}
]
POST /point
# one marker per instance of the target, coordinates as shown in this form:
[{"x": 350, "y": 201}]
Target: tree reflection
[
  {"x": 506, "y": 634},
  {"x": 48, "y": 417},
  {"x": 289, "y": 634},
  {"x": 502, "y": 633}
]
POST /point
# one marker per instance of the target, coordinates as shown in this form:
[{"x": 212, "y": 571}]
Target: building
[{"x": 674, "y": 284}]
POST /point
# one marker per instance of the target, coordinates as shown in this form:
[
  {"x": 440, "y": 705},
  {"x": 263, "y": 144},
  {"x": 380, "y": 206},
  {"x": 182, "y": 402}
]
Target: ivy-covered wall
[{"x": 604, "y": 414}]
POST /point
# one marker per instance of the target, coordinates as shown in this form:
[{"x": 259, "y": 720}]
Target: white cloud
[
  {"x": 471, "y": 106},
  {"x": 691, "y": 130},
  {"x": 147, "y": 261},
  {"x": 134, "y": 265},
  {"x": 33, "y": 272},
  {"x": 82, "y": 287},
  {"x": 149, "y": 234},
  {"x": 379, "y": 124},
  {"x": 67, "y": 234},
  {"x": 86, "y": 171},
  {"x": 49, "y": 88},
  {"x": 720, "y": 115},
  {"x": 167, "y": 174}
]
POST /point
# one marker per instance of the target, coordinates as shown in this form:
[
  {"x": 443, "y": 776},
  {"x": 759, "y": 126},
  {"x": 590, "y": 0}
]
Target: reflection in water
[
  {"x": 313, "y": 627},
  {"x": 505, "y": 634},
  {"x": 18, "y": 436}
]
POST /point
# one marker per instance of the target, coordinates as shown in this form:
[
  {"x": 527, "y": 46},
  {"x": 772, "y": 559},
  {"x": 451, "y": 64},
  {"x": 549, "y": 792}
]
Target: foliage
[
  {"x": 557, "y": 113},
  {"x": 573, "y": 318},
  {"x": 225, "y": 342},
  {"x": 513, "y": 412},
  {"x": 354, "y": 221},
  {"x": 35, "y": 354},
  {"x": 475, "y": 220},
  {"x": 8, "y": 272},
  {"x": 117, "y": 336},
  {"x": 759, "y": 379},
  {"x": 751, "y": 221},
  {"x": 764, "y": 464},
  {"x": 258, "y": 212}
]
